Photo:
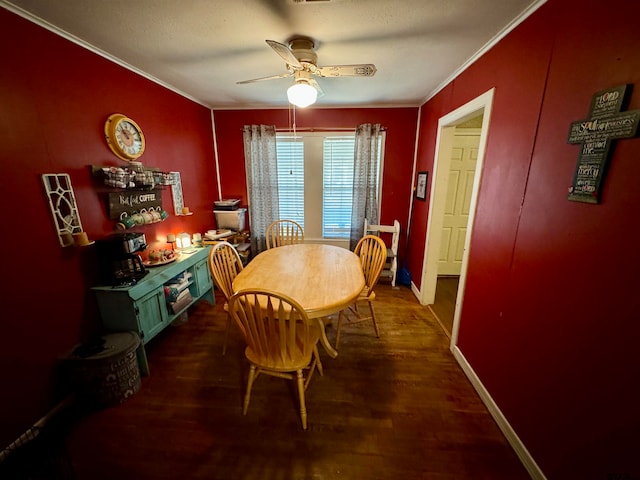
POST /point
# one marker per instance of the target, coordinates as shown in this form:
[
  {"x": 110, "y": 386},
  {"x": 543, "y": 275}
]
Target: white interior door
[{"x": 462, "y": 169}]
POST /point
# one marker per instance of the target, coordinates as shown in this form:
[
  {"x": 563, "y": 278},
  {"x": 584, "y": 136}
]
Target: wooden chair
[
  {"x": 373, "y": 254},
  {"x": 281, "y": 340},
  {"x": 390, "y": 269},
  {"x": 224, "y": 265},
  {"x": 284, "y": 232}
]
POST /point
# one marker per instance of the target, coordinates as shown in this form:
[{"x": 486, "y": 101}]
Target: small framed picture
[{"x": 421, "y": 187}]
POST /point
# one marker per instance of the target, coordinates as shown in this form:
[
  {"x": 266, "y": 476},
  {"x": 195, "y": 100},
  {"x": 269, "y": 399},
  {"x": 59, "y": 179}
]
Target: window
[
  {"x": 315, "y": 182},
  {"x": 337, "y": 187},
  {"x": 290, "y": 155}
]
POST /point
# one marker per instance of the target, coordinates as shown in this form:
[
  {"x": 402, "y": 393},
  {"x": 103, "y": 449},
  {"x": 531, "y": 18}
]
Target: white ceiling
[{"x": 201, "y": 48}]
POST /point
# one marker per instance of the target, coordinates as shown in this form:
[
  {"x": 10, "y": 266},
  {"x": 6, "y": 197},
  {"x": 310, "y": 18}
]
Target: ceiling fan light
[{"x": 302, "y": 94}]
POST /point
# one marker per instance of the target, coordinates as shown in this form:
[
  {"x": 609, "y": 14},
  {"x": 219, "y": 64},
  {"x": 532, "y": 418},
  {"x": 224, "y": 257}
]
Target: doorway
[
  {"x": 441, "y": 198},
  {"x": 461, "y": 173}
]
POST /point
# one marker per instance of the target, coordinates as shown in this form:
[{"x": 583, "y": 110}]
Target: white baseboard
[
  {"x": 523, "y": 454},
  {"x": 32, "y": 432},
  {"x": 416, "y": 292}
]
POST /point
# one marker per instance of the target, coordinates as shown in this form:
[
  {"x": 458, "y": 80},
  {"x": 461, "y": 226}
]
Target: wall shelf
[{"x": 128, "y": 178}]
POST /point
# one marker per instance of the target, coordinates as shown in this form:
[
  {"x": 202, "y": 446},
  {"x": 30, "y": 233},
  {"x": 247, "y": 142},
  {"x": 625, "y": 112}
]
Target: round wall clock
[{"x": 124, "y": 137}]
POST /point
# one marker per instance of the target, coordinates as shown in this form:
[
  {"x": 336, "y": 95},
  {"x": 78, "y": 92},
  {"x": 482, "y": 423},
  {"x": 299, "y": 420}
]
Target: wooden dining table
[{"x": 323, "y": 279}]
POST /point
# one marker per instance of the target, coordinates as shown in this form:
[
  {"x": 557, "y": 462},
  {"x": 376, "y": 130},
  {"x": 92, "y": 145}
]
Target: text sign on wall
[
  {"x": 128, "y": 201},
  {"x": 595, "y": 135}
]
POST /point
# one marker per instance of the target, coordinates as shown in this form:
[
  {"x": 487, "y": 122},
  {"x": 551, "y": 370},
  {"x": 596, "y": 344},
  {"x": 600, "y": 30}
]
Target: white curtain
[
  {"x": 365, "y": 191},
  {"x": 262, "y": 180}
]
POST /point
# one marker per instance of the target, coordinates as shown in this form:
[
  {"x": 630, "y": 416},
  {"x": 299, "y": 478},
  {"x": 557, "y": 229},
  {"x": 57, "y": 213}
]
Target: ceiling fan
[{"x": 301, "y": 60}]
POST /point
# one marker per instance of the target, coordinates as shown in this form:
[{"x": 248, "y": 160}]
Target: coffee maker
[{"x": 119, "y": 259}]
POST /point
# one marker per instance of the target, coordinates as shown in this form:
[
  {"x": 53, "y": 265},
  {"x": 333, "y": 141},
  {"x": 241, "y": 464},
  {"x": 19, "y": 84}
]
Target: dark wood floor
[
  {"x": 445, "y": 301},
  {"x": 398, "y": 407}
]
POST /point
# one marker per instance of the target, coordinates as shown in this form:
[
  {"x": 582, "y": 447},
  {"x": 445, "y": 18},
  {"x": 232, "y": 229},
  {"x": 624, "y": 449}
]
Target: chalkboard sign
[
  {"x": 130, "y": 201},
  {"x": 596, "y": 135}
]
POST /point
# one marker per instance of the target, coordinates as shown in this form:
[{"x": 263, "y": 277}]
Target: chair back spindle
[
  {"x": 284, "y": 232},
  {"x": 373, "y": 254},
  {"x": 224, "y": 265}
]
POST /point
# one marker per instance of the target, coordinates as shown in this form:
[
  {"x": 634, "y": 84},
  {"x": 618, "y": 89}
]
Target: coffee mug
[
  {"x": 155, "y": 214},
  {"x": 138, "y": 218},
  {"x": 146, "y": 215},
  {"x": 163, "y": 214},
  {"x": 126, "y": 221}
]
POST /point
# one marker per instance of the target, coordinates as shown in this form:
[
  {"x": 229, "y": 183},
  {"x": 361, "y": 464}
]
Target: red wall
[
  {"x": 400, "y": 125},
  {"x": 549, "y": 322},
  {"x": 54, "y": 99}
]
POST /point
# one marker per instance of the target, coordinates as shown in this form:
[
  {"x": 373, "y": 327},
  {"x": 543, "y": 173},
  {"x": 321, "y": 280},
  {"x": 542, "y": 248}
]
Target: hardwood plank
[
  {"x": 388, "y": 408},
  {"x": 445, "y": 302}
]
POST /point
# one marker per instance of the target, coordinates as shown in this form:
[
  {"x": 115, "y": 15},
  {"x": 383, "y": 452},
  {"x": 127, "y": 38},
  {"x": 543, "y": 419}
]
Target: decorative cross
[{"x": 596, "y": 134}]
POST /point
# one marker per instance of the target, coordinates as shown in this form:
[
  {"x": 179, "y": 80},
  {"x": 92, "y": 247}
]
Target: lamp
[
  {"x": 302, "y": 94},
  {"x": 183, "y": 241}
]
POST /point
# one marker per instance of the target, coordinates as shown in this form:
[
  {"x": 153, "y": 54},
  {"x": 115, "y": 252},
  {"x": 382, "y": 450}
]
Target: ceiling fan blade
[
  {"x": 286, "y": 54},
  {"x": 272, "y": 77},
  {"x": 362, "y": 70}
]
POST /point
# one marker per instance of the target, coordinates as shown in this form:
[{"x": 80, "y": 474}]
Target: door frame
[{"x": 444, "y": 142}]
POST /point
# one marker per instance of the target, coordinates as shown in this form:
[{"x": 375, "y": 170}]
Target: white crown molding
[{"x": 72, "y": 38}]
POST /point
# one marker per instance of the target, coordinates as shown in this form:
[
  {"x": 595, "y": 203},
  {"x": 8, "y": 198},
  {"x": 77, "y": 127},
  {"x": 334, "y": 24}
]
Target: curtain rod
[
  {"x": 320, "y": 129},
  {"x": 315, "y": 129}
]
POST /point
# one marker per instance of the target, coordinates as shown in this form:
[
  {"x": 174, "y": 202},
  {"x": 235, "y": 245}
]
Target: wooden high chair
[{"x": 390, "y": 269}]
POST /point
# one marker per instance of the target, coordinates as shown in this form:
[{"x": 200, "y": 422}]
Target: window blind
[
  {"x": 290, "y": 157},
  {"x": 337, "y": 192}
]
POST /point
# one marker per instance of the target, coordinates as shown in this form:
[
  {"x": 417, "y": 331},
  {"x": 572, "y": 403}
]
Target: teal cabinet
[
  {"x": 202, "y": 277},
  {"x": 152, "y": 314},
  {"x": 143, "y": 308}
]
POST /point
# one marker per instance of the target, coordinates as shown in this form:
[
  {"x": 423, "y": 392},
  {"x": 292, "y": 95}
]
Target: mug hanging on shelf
[
  {"x": 126, "y": 221},
  {"x": 138, "y": 218},
  {"x": 146, "y": 215},
  {"x": 155, "y": 214}
]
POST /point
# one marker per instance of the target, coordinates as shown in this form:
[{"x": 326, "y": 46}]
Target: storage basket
[
  {"x": 106, "y": 372},
  {"x": 233, "y": 220}
]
